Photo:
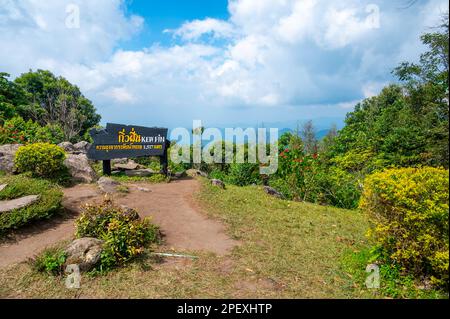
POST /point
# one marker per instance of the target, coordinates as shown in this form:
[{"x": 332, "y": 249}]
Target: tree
[
  {"x": 11, "y": 97},
  {"x": 308, "y": 134},
  {"x": 54, "y": 100}
]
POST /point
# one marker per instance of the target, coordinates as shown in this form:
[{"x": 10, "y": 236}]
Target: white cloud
[
  {"x": 120, "y": 94},
  {"x": 193, "y": 30},
  {"x": 274, "y": 55}
]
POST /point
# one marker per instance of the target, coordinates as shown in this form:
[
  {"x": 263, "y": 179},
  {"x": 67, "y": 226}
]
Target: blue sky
[
  {"x": 169, "y": 14},
  {"x": 227, "y": 63}
]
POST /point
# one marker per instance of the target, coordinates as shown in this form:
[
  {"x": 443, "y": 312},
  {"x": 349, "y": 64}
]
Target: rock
[
  {"x": 7, "y": 154},
  {"x": 66, "y": 146},
  {"x": 81, "y": 147},
  {"x": 195, "y": 172},
  {"x": 79, "y": 168},
  {"x": 107, "y": 185},
  {"x": 179, "y": 174},
  {"x": 143, "y": 189},
  {"x": 130, "y": 212},
  {"x": 218, "y": 183},
  {"x": 84, "y": 252},
  {"x": 272, "y": 192},
  {"x": 119, "y": 160},
  {"x": 130, "y": 165},
  {"x": 140, "y": 172},
  {"x": 17, "y": 203},
  {"x": 3, "y": 186}
]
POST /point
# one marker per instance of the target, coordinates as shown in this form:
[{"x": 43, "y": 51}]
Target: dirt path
[{"x": 171, "y": 206}]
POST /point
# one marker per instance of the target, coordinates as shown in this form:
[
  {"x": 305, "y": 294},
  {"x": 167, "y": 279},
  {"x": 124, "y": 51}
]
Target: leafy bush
[
  {"x": 339, "y": 188},
  {"x": 123, "y": 232},
  {"x": 409, "y": 208},
  {"x": 48, "y": 204},
  {"x": 17, "y": 130},
  {"x": 218, "y": 174},
  {"x": 282, "y": 186},
  {"x": 243, "y": 174},
  {"x": 51, "y": 261},
  {"x": 42, "y": 159}
]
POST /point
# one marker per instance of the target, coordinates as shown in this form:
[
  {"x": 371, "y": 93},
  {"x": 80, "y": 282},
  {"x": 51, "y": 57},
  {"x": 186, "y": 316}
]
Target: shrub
[
  {"x": 17, "y": 130},
  {"x": 50, "y": 261},
  {"x": 42, "y": 159},
  {"x": 339, "y": 188},
  {"x": 282, "y": 186},
  {"x": 123, "y": 232},
  {"x": 409, "y": 209},
  {"x": 243, "y": 174},
  {"x": 48, "y": 204},
  {"x": 218, "y": 174}
]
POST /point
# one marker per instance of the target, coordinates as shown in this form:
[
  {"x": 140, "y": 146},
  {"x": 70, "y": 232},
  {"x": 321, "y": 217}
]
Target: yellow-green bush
[
  {"x": 42, "y": 159},
  {"x": 409, "y": 208}
]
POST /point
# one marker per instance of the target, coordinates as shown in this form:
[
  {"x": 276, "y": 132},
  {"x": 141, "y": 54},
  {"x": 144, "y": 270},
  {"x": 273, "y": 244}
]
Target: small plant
[
  {"x": 41, "y": 159},
  {"x": 124, "y": 234},
  {"x": 50, "y": 261}
]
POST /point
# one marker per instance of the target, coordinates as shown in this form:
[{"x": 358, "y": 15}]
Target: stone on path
[
  {"x": 107, "y": 185},
  {"x": 84, "y": 252},
  {"x": 17, "y": 203}
]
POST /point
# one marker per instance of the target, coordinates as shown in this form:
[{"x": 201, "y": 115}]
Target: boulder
[
  {"x": 140, "y": 172},
  {"x": 179, "y": 174},
  {"x": 66, "y": 146},
  {"x": 130, "y": 165},
  {"x": 119, "y": 161},
  {"x": 107, "y": 185},
  {"x": 195, "y": 172},
  {"x": 272, "y": 192},
  {"x": 3, "y": 186},
  {"x": 81, "y": 147},
  {"x": 143, "y": 189},
  {"x": 84, "y": 252},
  {"x": 218, "y": 183},
  {"x": 17, "y": 203},
  {"x": 79, "y": 168},
  {"x": 7, "y": 154}
]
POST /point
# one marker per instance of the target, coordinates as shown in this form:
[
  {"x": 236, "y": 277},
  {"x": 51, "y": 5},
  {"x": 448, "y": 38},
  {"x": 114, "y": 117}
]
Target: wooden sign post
[{"x": 128, "y": 141}]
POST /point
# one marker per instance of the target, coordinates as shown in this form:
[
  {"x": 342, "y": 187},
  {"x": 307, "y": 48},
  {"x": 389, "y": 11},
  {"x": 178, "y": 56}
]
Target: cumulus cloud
[
  {"x": 276, "y": 59},
  {"x": 194, "y": 30}
]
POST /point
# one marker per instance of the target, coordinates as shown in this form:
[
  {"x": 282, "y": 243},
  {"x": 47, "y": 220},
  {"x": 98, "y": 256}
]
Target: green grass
[
  {"x": 156, "y": 178},
  {"x": 48, "y": 204},
  {"x": 393, "y": 284}
]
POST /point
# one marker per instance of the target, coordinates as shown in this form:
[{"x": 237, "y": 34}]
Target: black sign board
[{"x": 128, "y": 141}]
